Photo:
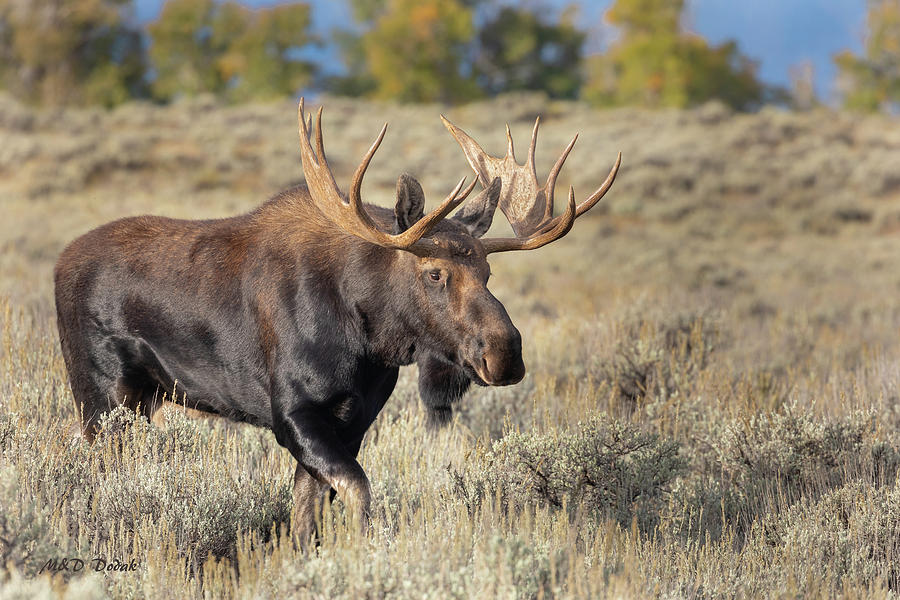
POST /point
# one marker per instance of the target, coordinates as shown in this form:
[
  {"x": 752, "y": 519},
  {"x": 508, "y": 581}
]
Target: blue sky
[{"x": 776, "y": 33}]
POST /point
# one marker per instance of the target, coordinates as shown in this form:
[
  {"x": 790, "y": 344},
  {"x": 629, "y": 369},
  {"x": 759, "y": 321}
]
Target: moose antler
[
  {"x": 528, "y": 207},
  {"x": 352, "y": 216}
]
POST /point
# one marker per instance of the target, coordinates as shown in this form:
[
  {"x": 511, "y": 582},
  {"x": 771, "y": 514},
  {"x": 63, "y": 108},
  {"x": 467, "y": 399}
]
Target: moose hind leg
[
  {"x": 96, "y": 392},
  {"x": 92, "y": 401},
  {"x": 139, "y": 392},
  {"x": 100, "y": 382}
]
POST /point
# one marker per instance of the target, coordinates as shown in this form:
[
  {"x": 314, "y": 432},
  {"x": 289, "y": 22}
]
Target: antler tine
[
  {"x": 467, "y": 191},
  {"x": 510, "y": 149},
  {"x": 533, "y": 145},
  {"x": 528, "y": 207},
  {"x": 319, "y": 172},
  {"x": 601, "y": 191},
  {"x": 459, "y": 187},
  {"x": 559, "y": 229},
  {"x": 356, "y": 185},
  {"x": 550, "y": 187},
  {"x": 305, "y": 125},
  {"x": 352, "y": 217},
  {"x": 302, "y": 125},
  {"x": 320, "y": 146},
  {"x": 595, "y": 197}
]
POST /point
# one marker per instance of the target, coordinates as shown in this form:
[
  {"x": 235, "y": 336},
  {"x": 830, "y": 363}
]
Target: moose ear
[
  {"x": 410, "y": 205},
  {"x": 476, "y": 215}
]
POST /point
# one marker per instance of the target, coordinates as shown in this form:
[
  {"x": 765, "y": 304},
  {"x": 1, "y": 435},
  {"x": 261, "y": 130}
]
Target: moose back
[{"x": 297, "y": 316}]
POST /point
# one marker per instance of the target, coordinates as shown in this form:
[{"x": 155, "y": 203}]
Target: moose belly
[{"x": 197, "y": 364}]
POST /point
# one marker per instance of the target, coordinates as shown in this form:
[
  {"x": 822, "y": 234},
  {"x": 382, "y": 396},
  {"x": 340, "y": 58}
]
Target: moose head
[{"x": 444, "y": 260}]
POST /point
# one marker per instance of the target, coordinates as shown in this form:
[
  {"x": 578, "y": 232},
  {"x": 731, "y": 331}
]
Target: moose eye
[{"x": 435, "y": 275}]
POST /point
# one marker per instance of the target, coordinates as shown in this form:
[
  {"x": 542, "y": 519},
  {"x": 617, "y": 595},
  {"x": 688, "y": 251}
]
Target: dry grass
[{"x": 711, "y": 408}]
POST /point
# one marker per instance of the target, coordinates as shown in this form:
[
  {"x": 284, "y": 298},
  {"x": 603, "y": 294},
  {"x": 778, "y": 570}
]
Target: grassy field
[{"x": 712, "y": 408}]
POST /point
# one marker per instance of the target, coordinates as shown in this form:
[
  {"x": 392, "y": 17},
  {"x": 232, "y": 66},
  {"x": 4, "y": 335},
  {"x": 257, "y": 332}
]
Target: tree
[
  {"x": 456, "y": 50},
  {"x": 260, "y": 63},
  {"x": 518, "y": 50},
  {"x": 802, "y": 94},
  {"x": 416, "y": 50},
  {"x": 872, "y": 81},
  {"x": 183, "y": 51},
  {"x": 70, "y": 51},
  {"x": 227, "y": 49},
  {"x": 357, "y": 80},
  {"x": 655, "y": 63}
]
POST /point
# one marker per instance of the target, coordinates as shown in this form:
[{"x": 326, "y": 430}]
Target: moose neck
[
  {"x": 374, "y": 285},
  {"x": 378, "y": 285}
]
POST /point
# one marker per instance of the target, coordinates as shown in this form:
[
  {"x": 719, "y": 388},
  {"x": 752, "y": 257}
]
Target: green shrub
[
  {"x": 768, "y": 463},
  {"x": 848, "y": 538},
  {"x": 30, "y": 532},
  {"x": 135, "y": 476},
  {"x": 657, "y": 358},
  {"x": 604, "y": 468}
]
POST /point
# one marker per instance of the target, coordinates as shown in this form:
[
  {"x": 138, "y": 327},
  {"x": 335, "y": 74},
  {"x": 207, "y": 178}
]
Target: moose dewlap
[{"x": 297, "y": 316}]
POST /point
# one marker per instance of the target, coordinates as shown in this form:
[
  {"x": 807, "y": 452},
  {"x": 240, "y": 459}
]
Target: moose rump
[{"x": 148, "y": 305}]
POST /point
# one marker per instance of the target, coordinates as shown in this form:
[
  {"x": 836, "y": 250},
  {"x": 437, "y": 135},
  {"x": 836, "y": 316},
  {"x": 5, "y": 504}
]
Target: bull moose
[{"x": 296, "y": 316}]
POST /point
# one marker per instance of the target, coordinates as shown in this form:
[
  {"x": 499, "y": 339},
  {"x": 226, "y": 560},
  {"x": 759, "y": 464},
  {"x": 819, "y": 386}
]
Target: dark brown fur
[{"x": 280, "y": 319}]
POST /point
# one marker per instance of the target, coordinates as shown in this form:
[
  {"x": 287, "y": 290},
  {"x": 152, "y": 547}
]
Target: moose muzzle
[{"x": 500, "y": 361}]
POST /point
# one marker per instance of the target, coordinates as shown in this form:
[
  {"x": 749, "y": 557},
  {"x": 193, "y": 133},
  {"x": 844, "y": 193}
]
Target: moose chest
[
  {"x": 354, "y": 413},
  {"x": 347, "y": 391}
]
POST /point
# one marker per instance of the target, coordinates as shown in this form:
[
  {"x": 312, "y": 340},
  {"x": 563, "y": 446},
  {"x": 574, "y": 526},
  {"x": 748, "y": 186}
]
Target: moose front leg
[{"x": 325, "y": 460}]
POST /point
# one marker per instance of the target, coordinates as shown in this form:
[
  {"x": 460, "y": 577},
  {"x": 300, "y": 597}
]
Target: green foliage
[
  {"x": 227, "y": 49},
  {"x": 851, "y": 536},
  {"x": 772, "y": 461},
  {"x": 183, "y": 59},
  {"x": 60, "y": 52},
  {"x": 517, "y": 51},
  {"x": 357, "y": 81},
  {"x": 603, "y": 467},
  {"x": 365, "y": 11},
  {"x": 655, "y": 64},
  {"x": 259, "y": 61},
  {"x": 415, "y": 51},
  {"x": 647, "y": 16},
  {"x": 432, "y": 51},
  {"x": 872, "y": 81}
]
